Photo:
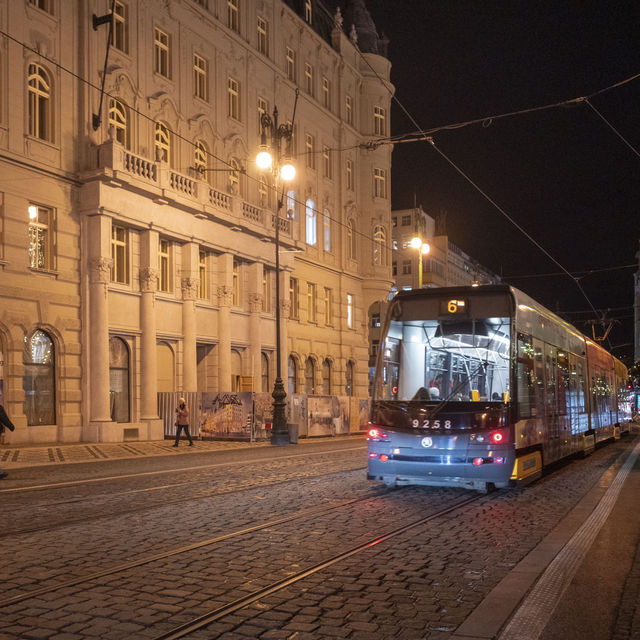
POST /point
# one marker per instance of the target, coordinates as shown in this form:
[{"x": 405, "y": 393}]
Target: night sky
[{"x": 561, "y": 174}]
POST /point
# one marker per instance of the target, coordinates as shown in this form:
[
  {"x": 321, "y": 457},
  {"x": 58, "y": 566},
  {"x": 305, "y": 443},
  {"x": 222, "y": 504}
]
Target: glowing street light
[{"x": 423, "y": 249}]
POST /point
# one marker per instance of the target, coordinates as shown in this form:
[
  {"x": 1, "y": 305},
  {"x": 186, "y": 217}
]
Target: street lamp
[
  {"x": 423, "y": 248},
  {"x": 271, "y": 157}
]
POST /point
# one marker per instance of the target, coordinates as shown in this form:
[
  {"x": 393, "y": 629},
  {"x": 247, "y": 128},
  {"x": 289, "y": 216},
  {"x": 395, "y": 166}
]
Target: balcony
[{"x": 121, "y": 168}]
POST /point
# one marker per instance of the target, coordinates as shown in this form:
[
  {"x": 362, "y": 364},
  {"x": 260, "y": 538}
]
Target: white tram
[{"x": 482, "y": 387}]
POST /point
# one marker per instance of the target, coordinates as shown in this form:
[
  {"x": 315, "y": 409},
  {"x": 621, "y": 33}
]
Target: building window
[
  {"x": 348, "y": 378},
  {"x": 120, "y": 27},
  {"x": 406, "y": 221},
  {"x": 234, "y": 176},
  {"x": 263, "y": 192},
  {"x": 266, "y": 291},
  {"x": 291, "y": 205},
  {"x": 308, "y": 11},
  {"x": 200, "y": 157},
  {"x": 310, "y": 223},
  {"x": 326, "y": 377},
  {"x": 312, "y": 299},
  {"x": 164, "y": 265},
  {"x": 119, "y": 120},
  {"x": 290, "y": 56},
  {"x": 263, "y": 36},
  {"x": 119, "y": 379},
  {"x": 326, "y": 230},
  {"x": 40, "y": 237},
  {"x": 263, "y": 107},
  {"x": 38, "y": 379},
  {"x": 348, "y": 109},
  {"x": 351, "y": 241},
  {"x": 264, "y": 370},
  {"x": 236, "y": 284},
  {"x": 406, "y": 267},
  {"x": 379, "y": 183},
  {"x": 119, "y": 255},
  {"x": 328, "y": 306},
  {"x": 310, "y": 151},
  {"x": 394, "y": 268},
  {"x": 233, "y": 99},
  {"x": 308, "y": 78},
  {"x": 326, "y": 93},
  {"x": 379, "y": 246},
  {"x": 163, "y": 143},
  {"x": 44, "y": 5},
  {"x": 40, "y": 104},
  {"x": 203, "y": 282},
  {"x": 162, "y": 47},
  {"x": 350, "y": 322},
  {"x": 326, "y": 162},
  {"x": 232, "y": 15},
  {"x": 379, "y": 121},
  {"x": 294, "y": 298},
  {"x": 293, "y": 375},
  {"x": 309, "y": 377},
  {"x": 200, "y": 77},
  {"x": 349, "y": 170}
]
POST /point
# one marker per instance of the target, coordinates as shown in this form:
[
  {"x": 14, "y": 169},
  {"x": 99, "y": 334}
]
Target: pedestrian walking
[
  {"x": 182, "y": 421},
  {"x": 4, "y": 423}
]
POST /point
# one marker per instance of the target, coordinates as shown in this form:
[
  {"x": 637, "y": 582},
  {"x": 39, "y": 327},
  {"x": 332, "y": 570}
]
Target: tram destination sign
[{"x": 454, "y": 307}]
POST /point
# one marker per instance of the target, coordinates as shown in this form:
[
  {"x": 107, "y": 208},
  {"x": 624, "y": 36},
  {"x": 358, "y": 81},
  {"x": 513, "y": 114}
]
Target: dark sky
[{"x": 561, "y": 174}]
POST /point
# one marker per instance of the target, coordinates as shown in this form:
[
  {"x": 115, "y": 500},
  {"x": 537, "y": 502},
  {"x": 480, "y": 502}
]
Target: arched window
[
  {"x": 40, "y": 105},
  {"x": 326, "y": 377},
  {"x": 236, "y": 370},
  {"x": 311, "y": 231},
  {"x": 166, "y": 367},
  {"x": 119, "y": 120},
  {"x": 291, "y": 205},
  {"x": 265, "y": 371},
  {"x": 309, "y": 376},
  {"x": 119, "y": 379},
  {"x": 326, "y": 230},
  {"x": 264, "y": 192},
  {"x": 234, "y": 177},
  {"x": 293, "y": 375},
  {"x": 348, "y": 377},
  {"x": 39, "y": 379},
  {"x": 351, "y": 241},
  {"x": 163, "y": 143},
  {"x": 379, "y": 246},
  {"x": 200, "y": 157}
]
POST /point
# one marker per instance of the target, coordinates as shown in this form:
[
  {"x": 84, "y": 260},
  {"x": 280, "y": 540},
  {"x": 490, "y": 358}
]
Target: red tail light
[
  {"x": 478, "y": 461},
  {"x": 373, "y": 433},
  {"x": 497, "y": 437},
  {"x": 376, "y": 434},
  {"x": 383, "y": 457}
]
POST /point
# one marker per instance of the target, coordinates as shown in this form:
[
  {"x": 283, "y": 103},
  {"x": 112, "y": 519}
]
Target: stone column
[
  {"x": 255, "y": 307},
  {"x": 225, "y": 300},
  {"x": 190, "y": 361},
  {"x": 148, "y": 349},
  {"x": 285, "y": 310}
]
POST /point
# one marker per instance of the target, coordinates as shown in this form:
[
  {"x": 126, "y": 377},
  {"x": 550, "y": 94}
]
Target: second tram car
[{"x": 483, "y": 387}]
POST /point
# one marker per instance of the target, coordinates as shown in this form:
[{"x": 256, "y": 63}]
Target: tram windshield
[{"x": 457, "y": 360}]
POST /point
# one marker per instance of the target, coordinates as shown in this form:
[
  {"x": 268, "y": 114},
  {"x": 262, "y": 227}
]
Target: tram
[{"x": 482, "y": 387}]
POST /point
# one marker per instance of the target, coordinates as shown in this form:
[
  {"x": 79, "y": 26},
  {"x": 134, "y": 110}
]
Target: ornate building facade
[{"x": 137, "y": 248}]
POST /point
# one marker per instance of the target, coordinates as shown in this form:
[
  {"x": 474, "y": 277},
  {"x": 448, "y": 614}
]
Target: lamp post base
[{"x": 279, "y": 430}]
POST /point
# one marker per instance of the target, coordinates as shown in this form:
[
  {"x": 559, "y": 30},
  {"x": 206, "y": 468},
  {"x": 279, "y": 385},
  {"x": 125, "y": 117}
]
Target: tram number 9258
[{"x": 431, "y": 424}]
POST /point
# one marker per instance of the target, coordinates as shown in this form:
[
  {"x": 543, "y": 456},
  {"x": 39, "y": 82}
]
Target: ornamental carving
[
  {"x": 100, "y": 269},
  {"x": 149, "y": 279},
  {"x": 190, "y": 287},
  {"x": 285, "y": 308},
  {"x": 225, "y": 296},
  {"x": 255, "y": 302}
]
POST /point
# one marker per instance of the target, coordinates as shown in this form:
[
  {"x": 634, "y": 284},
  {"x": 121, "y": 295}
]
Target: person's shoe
[
  {"x": 191, "y": 444},
  {"x": 3, "y": 474},
  {"x": 175, "y": 445}
]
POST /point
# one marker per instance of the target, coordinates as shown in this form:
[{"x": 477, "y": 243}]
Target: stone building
[{"x": 137, "y": 246}]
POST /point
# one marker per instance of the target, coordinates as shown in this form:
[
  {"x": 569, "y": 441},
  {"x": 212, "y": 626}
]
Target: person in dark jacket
[
  {"x": 182, "y": 422},
  {"x": 4, "y": 423}
]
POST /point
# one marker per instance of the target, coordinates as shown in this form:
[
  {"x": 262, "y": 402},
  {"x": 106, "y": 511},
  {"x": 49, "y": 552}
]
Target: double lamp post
[{"x": 273, "y": 157}]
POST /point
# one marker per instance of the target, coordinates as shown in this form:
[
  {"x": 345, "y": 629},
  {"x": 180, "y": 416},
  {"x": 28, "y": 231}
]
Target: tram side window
[
  {"x": 539, "y": 377},
  {"x": 526, "y": 391},
  {"x": 563, "y": 383}
]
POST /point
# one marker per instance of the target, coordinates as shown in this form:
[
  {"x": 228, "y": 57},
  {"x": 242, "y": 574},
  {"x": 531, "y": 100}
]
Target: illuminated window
[
  {"x": 308, "y": 11},
  {"x": 379, "y": 246},
  {"x": 203, "y": 284},
  {"x": 38, "y": 379},
  {"x": 232, "y": 14},
  {"x": 264, "y": 370},
  {"x": 162, "y": 48},
  {"x": 293, "y": 375},
  {"x": 119, "y": 379},
  {"x": 233, "y": 99},
  {"x": 290, "y": 56},
  {"x": 349, "y": 170},
  {"x": 263, "y": 36},
  {"x": 40, "y": 104},
  {"x": 308, "y": 78},
  {"x": 326, "y": 92},
  {"x": 291, "y": 205},
  {"x": 44, "y": 5},
  {"x": 310, "y": 151},
  {"x": 119, "y": 120},
  {"x": 120, "y": 28},
  {"x": 40, "y": 237},
  {"x": 379, "y": 183},
  {"x": 309, "y": 377},
  {"x": 326, "y": 230},
  {"x": 379, "y": 121},
  {"x": 350, "y": 310},
  {"x": 200, "y": 157},
  {"x": 328, "y": 306},
  {"x": 326, "y": 162},
  {"x": 310, "y": 226},
  {"x": 294, "y": 298},
  {"x": 234, "y": 176},
  {"x": 312, "y": 298},
  {"x": 200, "y": 77},
  {"x": 119, "y": 255},
  {"x": 164, "y": 266},
  {"x": 326, "y": 377},
  {"x": 348, "y": 109},
  {"x": 163, "y": 143},
  {"x": 351, "y": 241}
]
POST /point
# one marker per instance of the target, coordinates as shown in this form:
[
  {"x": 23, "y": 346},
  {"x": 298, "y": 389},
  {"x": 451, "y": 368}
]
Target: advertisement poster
[
  {"x": 226, "y": 415},
  {"x": 324, "y": 415}
]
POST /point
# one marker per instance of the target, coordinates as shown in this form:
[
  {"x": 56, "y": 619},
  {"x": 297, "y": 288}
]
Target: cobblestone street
[{"x": 263, "y": 542}]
